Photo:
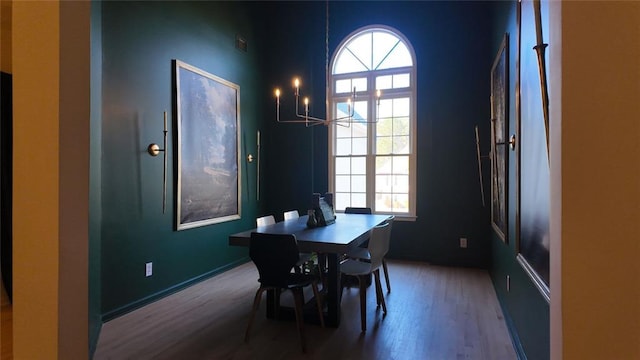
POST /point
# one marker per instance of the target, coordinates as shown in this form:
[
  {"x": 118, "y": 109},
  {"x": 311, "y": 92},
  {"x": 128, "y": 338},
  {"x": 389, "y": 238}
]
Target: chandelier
[{"x": 305, "y": 117}]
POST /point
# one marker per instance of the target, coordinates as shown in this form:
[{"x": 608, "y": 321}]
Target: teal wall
[
  {"x": 526, "y": 311},
  {"x": 453, "y": 65},
  {"x": 139, "y": 42},
  {"x": 455, "y": 43}
]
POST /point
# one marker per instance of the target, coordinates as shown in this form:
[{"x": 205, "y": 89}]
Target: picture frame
[
  {"x": 208, "y": 147},
  {"x": 499, "y": 150}
]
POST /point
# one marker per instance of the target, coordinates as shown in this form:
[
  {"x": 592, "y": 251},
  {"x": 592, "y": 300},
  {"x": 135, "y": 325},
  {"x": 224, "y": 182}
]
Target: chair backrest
[
  {"x": 379, "y": 243},
  {"x": 292, "y": 214},
  {"x": 274, "y": 255},
  {"x": 265, "y": 220},
  {"x": 390, "y": 222},
  {"x": 357, "y": 210}
]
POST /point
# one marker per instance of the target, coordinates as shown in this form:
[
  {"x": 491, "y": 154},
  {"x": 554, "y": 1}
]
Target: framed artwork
[
  {"x": 499, "y": 111},
  {"x": 533, "y": 182},
  {"x": 208, "y": 161}
]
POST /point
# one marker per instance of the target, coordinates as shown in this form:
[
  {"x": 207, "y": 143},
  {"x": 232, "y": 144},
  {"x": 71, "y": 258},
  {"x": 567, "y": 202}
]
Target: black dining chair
[
  {"x": 378, "y": 246},
  {"x": 275, "y": 255},
  {"x": 270, "y": 220},
  {"x": 357, "y": 210}
]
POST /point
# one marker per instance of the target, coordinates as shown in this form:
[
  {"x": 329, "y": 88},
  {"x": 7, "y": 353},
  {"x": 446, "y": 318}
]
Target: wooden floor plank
[{"x": 433, "y": 313}]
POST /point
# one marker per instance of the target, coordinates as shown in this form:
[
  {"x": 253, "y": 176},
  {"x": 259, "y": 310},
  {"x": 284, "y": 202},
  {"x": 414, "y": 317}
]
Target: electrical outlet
[
  {"x": 463, "y": 243},
  {"x": 508, "y": 283},
  {"x": 149, "y": 269}
]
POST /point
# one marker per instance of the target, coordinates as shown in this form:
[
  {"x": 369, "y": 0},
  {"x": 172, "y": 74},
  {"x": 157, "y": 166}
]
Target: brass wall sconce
[{"x": 512, "y": 142}]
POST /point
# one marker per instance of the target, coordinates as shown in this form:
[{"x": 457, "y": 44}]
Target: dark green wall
[
  {"x": 455, "y": 43},
  {"x": 453, "y": 65},
  {"x": 526, "y": 311},
  {"x": 139, "y": 42}
]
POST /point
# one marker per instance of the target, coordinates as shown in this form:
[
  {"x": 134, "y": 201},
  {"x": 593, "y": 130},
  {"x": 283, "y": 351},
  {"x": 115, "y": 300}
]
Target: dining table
[{"x": 330, "y": 241}]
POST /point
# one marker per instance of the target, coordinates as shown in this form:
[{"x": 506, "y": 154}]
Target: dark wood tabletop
[{"x": 349, "y": 230}]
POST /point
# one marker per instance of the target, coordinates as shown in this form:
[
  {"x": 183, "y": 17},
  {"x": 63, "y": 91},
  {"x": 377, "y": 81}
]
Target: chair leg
[
  {"x": 316, "y": 294},
  {"x": 363, "y": 302},
  {"x": 299, "y": 303},
  {"x": 256, "y": 304},
  {"x": 376, "y": 275},
  {"x": 386, "y": 275}
]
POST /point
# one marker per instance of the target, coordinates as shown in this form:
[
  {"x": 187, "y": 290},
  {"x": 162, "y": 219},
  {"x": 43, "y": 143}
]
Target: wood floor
[{"x": 433, "y": 313}]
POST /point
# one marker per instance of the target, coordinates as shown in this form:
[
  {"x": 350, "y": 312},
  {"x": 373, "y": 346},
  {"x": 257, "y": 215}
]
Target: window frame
[{"x": 369, "y": 96}]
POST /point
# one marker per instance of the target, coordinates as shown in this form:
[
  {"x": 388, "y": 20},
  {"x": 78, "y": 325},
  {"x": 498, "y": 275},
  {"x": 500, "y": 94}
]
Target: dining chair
[
  {"x": 378, "y": 242},
  {"x": 362, "y": 254},
  {"x": 304, "y": 257},
  {"x": 265, "y": 220},
  {"x": 292, "y": 214},
  {"x": 357, "y": 210},
  {"x": 274, "y": 255}
]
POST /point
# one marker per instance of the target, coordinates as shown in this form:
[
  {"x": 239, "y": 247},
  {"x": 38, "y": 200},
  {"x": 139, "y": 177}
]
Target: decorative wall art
[
  {"x": 533, "y": 161},
  {"x": 499, "y": 120},
  {"x": 208, "y": 123}
]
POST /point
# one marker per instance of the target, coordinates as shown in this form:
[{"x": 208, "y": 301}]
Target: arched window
[{"x": 373, "y": 160}]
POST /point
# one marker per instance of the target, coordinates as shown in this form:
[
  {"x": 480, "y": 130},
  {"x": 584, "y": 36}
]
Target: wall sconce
[
  {"x": 154, "y": 150},
  {"x": 512, "y": 142}
]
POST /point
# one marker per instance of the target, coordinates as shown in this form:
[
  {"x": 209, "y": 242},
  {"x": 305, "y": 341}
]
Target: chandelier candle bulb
[{"x": 296, "y": 83}]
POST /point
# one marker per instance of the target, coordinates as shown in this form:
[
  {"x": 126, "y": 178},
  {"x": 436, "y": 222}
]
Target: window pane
[
  {"x": 401, "y": 203},
  {"x": 342, "y": 109},
  {"x": 360, "y": 84},
  {"x": 361, "y": 47},
  {"x": 343, "y": 165},
  {"x": 359, "y": 146},
  {"x": 358, "y": 200},
  {"x": 343, "y": 183},
  {"x": 401, "y": 126},
  {"x": 342, "y": 200},
  {"x": 383, "y": 183},
  {"x": 342, "y": 131},
  {"x": 401, "y": 165},
  {"x": 400, "y": 144},
  {"x": 384, "y": 145},
  {"x": 347, "y": 63},
  {"x": 401, "y": 81},
  {"x": 361, "y": 111},
  {"x": 385, "y": 109},
  {"x": 384, "y": 127},
  {"x": 359, "y": 165},
  {"x": 343, "y": 146},
  {"x": 359, "y": 183},
  {"x": 383, "y": 202},
  {"x": 401, "y": 184},
  {"x": 383, "y": 43},
  {"x": 358, "y": 130},
  {"x": 384, "y": 82},
  {"x": 343, "y": 86},
  {"x": 383, "y": 165},
  {"x": 401, "y": 107},
  {"x": 399, "y": 57}
]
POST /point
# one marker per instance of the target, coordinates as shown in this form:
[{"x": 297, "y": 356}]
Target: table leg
[{"x": 333, "y": 291}]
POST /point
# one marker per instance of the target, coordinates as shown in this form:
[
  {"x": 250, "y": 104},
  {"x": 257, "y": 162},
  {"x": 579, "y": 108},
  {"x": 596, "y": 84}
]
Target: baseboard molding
[
  {"x": 513, "y": 333},
  {"x": 166, "y": 292}
]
